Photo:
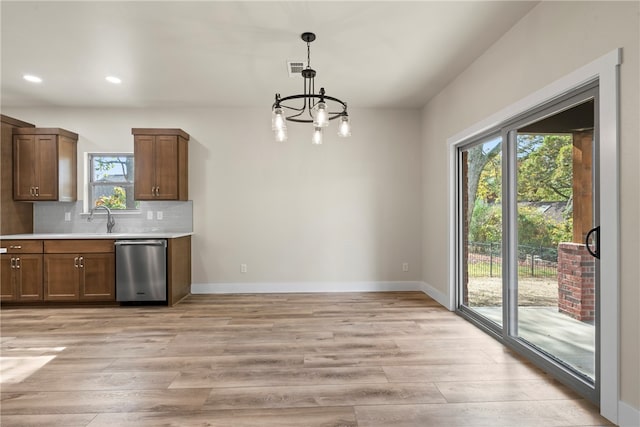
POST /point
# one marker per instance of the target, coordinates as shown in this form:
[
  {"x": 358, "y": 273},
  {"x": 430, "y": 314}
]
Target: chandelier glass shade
[{"x": 309, "y": 107}]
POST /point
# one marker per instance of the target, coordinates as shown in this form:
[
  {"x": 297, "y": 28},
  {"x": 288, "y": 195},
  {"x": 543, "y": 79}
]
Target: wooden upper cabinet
[
  {"x": 15, "y": 217},
  {"x": 161, "y": 158},
  {"x": 144, "y": 167},
  {"x": 45, "y": 164}
]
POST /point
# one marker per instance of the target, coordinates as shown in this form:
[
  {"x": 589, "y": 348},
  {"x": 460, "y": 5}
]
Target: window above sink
[{"x": 110, "y": 182}]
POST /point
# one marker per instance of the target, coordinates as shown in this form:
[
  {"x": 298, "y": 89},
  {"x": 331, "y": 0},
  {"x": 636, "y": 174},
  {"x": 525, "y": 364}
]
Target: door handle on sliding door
[{"x": 596, "y": 232}]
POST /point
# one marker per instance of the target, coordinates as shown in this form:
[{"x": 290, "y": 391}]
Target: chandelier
[{"x": 315, "y": 108}]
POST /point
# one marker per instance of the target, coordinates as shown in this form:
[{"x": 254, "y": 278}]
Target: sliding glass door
[{"x": 527, "y": 267}]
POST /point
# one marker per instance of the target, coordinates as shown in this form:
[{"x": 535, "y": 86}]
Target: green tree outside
[
  {"x": 117, "y": 200},
  {"x": 545, "y": 174}
]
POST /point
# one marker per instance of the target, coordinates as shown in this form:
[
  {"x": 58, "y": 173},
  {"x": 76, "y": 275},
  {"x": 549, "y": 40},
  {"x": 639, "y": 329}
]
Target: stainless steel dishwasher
[{"x": 141, "y": 270}]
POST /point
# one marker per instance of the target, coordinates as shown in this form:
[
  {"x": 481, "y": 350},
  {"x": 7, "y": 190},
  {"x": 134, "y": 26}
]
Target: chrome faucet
[{"x": 110, "y": 220}]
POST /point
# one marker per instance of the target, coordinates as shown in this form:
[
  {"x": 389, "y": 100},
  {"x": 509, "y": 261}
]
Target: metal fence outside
[{"x": 485, "y": 260}]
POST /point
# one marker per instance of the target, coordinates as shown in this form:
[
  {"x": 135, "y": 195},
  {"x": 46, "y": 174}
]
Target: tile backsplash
[{"x": 51, "y": 217}]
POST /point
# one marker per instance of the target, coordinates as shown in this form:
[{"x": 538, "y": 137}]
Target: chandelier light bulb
[
  {"x": 281, "y": 135},
  {"x": 278, "y": 120},
  {"x": 322, "y": 116},
  {"x": 344, "y": 128},
  {"x": 317, "y": 136}
]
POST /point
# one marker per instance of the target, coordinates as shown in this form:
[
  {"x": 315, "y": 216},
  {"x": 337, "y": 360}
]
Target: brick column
[{"x": 576, "y": 282}]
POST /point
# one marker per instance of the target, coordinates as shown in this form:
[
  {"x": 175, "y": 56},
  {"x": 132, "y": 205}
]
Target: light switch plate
[{"x": 149, "y": 215}]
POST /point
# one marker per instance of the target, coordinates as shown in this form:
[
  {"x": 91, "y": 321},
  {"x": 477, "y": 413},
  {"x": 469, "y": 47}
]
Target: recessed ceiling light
[
  {"x": 31, "y": 78},
  {"x": 113, "y": 79}
]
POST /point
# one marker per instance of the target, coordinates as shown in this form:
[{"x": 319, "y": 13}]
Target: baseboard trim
[
  {"x": 303, "y": 287},
  {"x": 628, "y": 416},
  {"x": 316, "y": 287},
  {"x": 441, "y": 298}
]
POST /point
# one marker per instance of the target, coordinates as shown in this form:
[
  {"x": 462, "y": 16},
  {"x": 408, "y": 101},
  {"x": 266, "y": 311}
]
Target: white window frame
[{"x": 88, "y": 190}]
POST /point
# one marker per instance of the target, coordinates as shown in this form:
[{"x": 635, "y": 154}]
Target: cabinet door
[
  {"x": 61, "y": 277},
  {"x": 29, "y": 277},
  {"x": 98, "y": 273},
  {"x": 166, "y": 165},
  {"x": 144, "y": 172},
  {"x": 7, "y": 282},
  {"x": 25, "y": 163},
  {"x": 47, "y": 169}
]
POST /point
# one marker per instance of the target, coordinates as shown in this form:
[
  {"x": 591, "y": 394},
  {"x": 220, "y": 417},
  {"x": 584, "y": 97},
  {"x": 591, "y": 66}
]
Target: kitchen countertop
[{"x": 57, "y": 236}]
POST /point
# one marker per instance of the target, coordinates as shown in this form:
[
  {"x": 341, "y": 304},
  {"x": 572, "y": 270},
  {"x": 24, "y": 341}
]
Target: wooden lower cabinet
[
  {"x": 78, "y": 270},
  {"x": 21, "y": 277},
  {"x": 21, "y": 271},
  {"x": 97, "y": 282},
  {"x": 178, "y": 269},
  {"x": 7, "y": 283},
  {"x": 74, "y": 274},
  {"x": 61, "y": 277}
]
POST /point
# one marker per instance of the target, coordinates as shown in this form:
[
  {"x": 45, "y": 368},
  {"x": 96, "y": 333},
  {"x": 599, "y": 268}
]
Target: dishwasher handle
[{"x": 141, "y": 243}]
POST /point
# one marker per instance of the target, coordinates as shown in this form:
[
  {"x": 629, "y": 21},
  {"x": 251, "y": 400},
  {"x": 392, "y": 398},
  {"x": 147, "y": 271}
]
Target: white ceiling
[{"x": 234, "y": 53}]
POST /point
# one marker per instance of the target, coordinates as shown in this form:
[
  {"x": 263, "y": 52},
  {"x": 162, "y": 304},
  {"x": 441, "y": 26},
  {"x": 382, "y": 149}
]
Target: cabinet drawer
[
  {"x": 22, "y": 246},
  {"x": 78, "y": 246}
]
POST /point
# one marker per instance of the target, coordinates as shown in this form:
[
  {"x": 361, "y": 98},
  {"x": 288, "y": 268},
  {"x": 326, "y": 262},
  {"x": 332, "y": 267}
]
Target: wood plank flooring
[{"x": 353, "y": 359}]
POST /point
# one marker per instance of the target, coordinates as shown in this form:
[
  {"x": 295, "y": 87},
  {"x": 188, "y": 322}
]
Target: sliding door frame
[{"x": 605, "y": 70}]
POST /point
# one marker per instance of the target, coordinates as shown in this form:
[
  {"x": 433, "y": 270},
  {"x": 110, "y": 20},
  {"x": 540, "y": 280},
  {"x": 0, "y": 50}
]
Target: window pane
[
  {"x": 111, "y": 181},
  {"x": 556, "y": 274},
  {"x": 482, "y": 228}
]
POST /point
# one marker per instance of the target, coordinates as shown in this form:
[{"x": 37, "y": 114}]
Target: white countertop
[{"x": 55, "y": 236}]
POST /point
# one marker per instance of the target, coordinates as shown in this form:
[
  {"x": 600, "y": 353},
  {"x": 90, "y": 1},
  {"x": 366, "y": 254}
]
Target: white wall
[
  {"x": 554, "y": 39},
  {"x": 348, "y": 210}
]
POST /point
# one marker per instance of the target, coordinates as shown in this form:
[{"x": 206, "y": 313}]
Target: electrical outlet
[
  {"x": 405, "y": 266},
  {"x": 243, "y": 268},
  {"x": 67, "y": 216},
  {"x": 159, "y": 215},
  {"x": 149, "y": 215}
]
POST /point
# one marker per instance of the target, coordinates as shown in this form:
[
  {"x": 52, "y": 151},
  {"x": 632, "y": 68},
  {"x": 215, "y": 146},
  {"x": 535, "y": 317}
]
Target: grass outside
[{"x": 536, "y": 292}]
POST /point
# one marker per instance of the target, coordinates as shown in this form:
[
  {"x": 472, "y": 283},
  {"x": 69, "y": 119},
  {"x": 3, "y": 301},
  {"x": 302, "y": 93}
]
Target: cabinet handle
[
  {"x": 13, "y": 263},
  {"x": 15, "y": 247},
  {"x": 17, "y": 262},
  {"x": 81, "y": 262},
  {"x": 37, "y": 191},
  {"x": 75, "y": 262},
  {"x": 31, "y": 191},
  {"x": 158, "y": 191}
]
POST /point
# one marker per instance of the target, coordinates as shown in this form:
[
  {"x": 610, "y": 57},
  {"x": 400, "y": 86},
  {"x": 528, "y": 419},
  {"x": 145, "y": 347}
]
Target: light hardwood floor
[{"x": 353, "y": 359}]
